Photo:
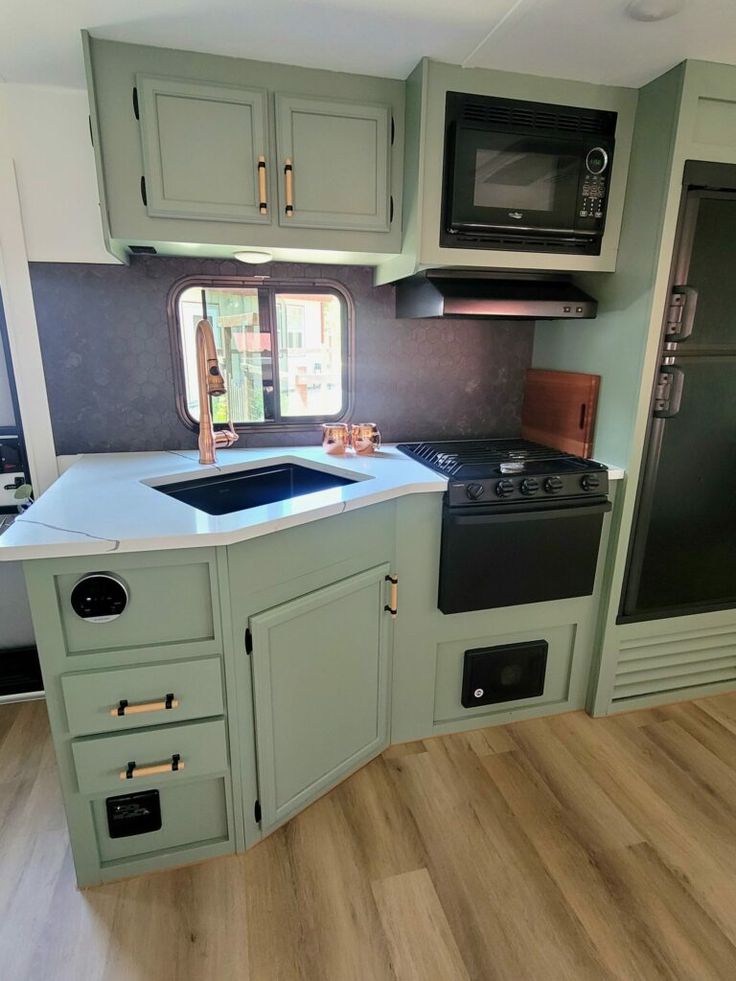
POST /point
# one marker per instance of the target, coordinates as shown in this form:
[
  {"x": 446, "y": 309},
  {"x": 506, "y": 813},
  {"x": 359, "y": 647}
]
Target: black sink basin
[{"x": 251, "y": 488}]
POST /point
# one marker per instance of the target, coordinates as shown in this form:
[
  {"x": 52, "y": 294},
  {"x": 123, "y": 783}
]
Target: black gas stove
[{"x": 509, "y": 471}]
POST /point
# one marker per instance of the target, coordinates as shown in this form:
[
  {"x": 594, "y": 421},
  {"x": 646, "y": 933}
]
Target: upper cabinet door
[
  {"x": 201, "y": 149},
  {"x": 340, "y": 158},
  {"x": 321, "y": 686}
]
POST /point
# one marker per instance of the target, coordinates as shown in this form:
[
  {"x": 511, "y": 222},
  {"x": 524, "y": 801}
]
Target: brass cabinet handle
[
  {"x": 392, "y": 606},
  {"x": 132, "y": 770},
  {"x": 262, "y": 197},
  {"x": 289, "y": 185},
  {"x": 124, "y": 708}
]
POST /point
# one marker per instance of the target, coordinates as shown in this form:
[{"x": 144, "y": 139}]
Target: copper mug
[
  {"x": 335, "y": 438},
  {"x": 365, "y": 437}
]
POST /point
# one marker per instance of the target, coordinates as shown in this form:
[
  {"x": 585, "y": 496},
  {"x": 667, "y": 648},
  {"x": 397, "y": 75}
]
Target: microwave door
[{"x": 503, "y": 181}]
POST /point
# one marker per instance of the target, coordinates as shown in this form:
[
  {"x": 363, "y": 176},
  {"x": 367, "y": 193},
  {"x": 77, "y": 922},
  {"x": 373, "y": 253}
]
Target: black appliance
[
  {"x": 464, "y": 293},
  {"x": 525, "y": 176},
  {"x": 504, "y": 673},
  {"x": 521, "y": 522},
  {"x": 682, "y": 555}
]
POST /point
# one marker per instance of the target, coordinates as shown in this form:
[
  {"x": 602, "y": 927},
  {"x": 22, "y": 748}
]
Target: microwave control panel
[{"x": 592, "y": 204}]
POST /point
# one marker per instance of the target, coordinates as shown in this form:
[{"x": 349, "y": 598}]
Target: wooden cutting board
[{"x": 559, "y": 409}]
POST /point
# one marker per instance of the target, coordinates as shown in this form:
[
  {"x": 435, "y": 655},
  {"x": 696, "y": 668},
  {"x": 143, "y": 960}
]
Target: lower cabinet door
[{"x": 321, "y": 688}]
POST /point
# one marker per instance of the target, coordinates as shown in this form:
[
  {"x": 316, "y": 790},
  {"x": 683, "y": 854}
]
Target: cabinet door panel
[
  {"x": 340, "y": 158},
  {"x": 320, "y": 673},
  {"x": 201, "y": 145}
]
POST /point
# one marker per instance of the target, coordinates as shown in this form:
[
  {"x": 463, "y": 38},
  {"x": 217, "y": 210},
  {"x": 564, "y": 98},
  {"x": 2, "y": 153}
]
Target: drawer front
[
  {"x": 92, "y": 698},
  {"x": 100, "y": 760},
  {"x": 192, "y": 815},
  {"x": 169, "y": 603}
]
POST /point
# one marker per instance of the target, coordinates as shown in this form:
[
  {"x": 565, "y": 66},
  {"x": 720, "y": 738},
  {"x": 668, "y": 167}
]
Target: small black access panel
[{"x": 504, "y": 674}]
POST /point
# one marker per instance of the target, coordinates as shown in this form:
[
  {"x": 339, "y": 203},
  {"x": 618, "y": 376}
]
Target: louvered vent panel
[
  {"x": 673, "y": 662},
  {"x": 551, "y": 118}
]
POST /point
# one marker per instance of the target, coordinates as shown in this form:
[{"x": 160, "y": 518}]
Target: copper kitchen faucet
[{"x": 210, "y": 382}]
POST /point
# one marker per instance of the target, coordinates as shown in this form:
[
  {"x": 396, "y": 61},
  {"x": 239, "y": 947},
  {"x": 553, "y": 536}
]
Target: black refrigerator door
[
  {"x": 705, "y": 265},
  {"x": 683, "y": 556}
]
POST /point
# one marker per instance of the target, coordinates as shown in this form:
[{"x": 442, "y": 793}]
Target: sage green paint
[
  {"x": 268, "y": 572},
  {"x": 341, "y": 163},
  {"x": 112, "y": 69},
  {"x": 48, "y": 584},
  {"x": 321, "y": 689},
  {"x": 99, "y": 760},
  {"x": 686, "y": 114},
  {"x": 192, "y": 814},
  {"x": 429, "y": 645},
  {"x": 200, "y": 146},
  {"x": 427, "y": 88},
  {"x": 90, "y": 696}
]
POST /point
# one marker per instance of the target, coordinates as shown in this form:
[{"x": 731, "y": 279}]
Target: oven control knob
[
  {"x": 474, "y": 491},
  {"x": 504, "y": 488},
  {"x": 553, "y": 485},
  {"x": 590, "y": 482},
  {"x": 529, "y": 486}
]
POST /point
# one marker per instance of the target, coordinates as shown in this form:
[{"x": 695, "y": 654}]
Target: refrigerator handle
[
  {"x": 681, "y": 314},
  {"x": 668, "y": 392}
]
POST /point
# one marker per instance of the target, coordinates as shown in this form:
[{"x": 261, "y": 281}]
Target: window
[{"x": 284, "y": 349}]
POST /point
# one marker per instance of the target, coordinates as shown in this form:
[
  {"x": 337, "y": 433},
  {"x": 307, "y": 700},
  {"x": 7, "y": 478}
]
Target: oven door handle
[{"x": 497, "y": 517}]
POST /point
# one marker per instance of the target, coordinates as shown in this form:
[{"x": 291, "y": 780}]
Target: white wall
[
  {"x": 45, "y": 131},
  {"x": 7, "y": 416}
]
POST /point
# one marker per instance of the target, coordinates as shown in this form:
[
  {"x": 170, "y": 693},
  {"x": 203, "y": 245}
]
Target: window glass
[{"x": 283, "y": 353}]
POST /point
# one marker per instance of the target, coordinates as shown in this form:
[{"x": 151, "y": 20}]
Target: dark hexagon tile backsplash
[{"x": 108, "y": 361}]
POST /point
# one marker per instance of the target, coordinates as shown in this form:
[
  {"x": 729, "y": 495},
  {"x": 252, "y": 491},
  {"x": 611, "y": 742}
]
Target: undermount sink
[{"x": 247, "y": 489}]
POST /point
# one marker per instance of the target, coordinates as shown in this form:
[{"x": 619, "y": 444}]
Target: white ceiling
[{"x": 591, "y": 40}]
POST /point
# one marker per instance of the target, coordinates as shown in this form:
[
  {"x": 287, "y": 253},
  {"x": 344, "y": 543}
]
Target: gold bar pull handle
[
  {"x": 289, "y": 186},
  {"x": 392, "y": 606},
  {"x": 125, "y": 708},
  {"x": 262, "y": 196},
  {"x": 132, "y": 770}
]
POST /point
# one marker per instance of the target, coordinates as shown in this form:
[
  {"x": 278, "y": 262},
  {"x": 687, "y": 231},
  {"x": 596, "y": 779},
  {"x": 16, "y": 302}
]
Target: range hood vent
[{"x": 508, "y": 296}]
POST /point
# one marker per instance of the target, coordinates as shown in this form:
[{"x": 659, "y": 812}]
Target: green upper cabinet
[
  {"x": 179, "y": 135},
  {"x": 321, "y": 690},
  {"x": 201, "y": 147},
  {"x": 339, "y": 155}
]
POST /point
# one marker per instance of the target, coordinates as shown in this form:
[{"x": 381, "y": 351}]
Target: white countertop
[{"x": 105, "y": 501}]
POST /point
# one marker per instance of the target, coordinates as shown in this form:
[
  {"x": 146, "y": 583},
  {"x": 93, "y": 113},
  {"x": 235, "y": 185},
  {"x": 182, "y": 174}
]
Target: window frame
[{"x": 270, "y": 286}]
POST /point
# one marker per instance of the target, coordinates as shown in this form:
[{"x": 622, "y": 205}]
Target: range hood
[{"x": 465, "y": 293}]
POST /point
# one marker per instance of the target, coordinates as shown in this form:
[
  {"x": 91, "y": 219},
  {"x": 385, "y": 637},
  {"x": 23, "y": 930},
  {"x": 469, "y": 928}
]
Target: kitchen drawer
[
  {"x": 171, "y": 603},
  {"x": 192, "y": 815},
  {"x": 99, "y": 760},
  {"x": 91, "y": 697}
]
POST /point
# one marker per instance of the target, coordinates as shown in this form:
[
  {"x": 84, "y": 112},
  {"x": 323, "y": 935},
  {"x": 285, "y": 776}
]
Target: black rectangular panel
[
  {"x": 133, "y": 814},
  {"x": 504, "y": 674}
]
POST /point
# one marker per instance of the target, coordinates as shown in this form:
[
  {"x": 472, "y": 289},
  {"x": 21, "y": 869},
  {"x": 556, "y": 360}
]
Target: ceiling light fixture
[
  {"x": 653, "y": 10},
  {"x": 254, "y": 258}
]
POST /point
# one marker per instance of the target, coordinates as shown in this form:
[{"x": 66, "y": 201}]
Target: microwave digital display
[{"x": 525, "y": 176}]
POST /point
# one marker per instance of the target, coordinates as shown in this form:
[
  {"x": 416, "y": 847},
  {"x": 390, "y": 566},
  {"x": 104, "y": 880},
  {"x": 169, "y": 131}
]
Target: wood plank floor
[{"x": 564, "y": 848}]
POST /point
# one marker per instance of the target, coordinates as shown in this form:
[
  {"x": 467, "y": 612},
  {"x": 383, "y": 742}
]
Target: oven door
[
  {"x": 508, "y": 555},
  {"x": 507, "y": 182}
]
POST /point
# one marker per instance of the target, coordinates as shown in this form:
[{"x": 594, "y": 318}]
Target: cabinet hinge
[
  {"x": 393, "y": 130},
  {"x": 391, "y": 210},
  {"x": 136, "y": 111},
  {"x": 392, "y": 606},
  {"x": 680, "y": 315},
  {"x": 248, "y": 641},
  {"x": 662, "y": 392},
  {"x": 257, "y": 812},
  {"x": 91, "y": 134},
  {"x": 143, "y": 191}
]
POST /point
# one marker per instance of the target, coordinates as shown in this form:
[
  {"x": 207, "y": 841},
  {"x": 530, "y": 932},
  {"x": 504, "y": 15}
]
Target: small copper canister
[
  {"x": 335, "y": 438},
  {"x": 365, "y": 437}
]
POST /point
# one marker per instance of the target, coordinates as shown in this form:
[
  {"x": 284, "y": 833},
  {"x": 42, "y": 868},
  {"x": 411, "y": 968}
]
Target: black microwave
[{"x": 525, "y": 176}]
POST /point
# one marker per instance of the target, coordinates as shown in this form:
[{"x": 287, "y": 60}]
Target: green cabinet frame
[
  {"x": 201, "y": 144},
  {"x": 340, "y": 155}
]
